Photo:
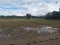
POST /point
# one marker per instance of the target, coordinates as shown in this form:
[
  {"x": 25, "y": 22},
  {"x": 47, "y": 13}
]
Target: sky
[{"x": 33, "y": 7}]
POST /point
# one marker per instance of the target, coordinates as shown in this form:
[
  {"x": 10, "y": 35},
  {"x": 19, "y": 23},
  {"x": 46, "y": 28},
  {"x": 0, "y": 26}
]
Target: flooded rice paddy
[{"x": 24, "y": 32}]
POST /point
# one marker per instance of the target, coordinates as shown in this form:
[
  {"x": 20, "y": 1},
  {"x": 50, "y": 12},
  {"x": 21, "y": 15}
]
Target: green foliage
[
  {"x": 11, "y": 17},
  {"x": 28, "y": 16},
  {"x": 53, "y": 15}
]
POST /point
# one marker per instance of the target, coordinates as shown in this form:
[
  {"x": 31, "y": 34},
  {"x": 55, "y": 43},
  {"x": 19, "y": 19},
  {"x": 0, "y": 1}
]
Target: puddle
[
  {"x": 3, "y": 34},
  {"x": 15, "y": 33},
  {"x": 44, "y": 29}
]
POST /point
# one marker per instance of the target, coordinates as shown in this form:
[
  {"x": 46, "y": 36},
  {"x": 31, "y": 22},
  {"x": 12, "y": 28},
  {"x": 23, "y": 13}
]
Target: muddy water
[
  {"x": 43, "y": 29},
  {"x": 14, "y": 33}
]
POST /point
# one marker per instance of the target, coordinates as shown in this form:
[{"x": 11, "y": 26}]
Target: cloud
[{"x": 34, "y": 7}]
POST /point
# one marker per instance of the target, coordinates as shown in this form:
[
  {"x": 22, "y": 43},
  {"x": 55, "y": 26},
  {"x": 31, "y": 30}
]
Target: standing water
[{"x": 44, "y": 30}]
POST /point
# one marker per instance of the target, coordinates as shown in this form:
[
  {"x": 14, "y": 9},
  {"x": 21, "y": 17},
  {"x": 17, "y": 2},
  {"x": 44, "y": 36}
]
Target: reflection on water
[
  {"x": 3, "y": 34},
  {"x": 44, "y": 29},
  {"x": 15, "y": 31}
]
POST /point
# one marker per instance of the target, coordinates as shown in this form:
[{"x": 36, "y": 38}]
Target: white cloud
[{"x": 35, "y": 7}]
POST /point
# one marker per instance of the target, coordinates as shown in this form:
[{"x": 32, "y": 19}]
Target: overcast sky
[{"x": 34, "y": 7}]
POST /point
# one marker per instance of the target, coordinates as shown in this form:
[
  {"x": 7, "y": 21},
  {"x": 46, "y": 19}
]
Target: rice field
[{"x": 29, "y": 32}]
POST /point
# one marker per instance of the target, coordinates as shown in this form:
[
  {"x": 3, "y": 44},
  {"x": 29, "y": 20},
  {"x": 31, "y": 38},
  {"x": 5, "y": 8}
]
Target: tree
[
  {"x": 28, "y": 16},
  {"x": 48, "y": 15},
  {"x": 53, "y": 15}
]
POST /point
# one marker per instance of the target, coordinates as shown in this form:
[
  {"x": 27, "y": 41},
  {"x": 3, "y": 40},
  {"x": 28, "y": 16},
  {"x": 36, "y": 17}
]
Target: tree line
[
  {"x": 53, "y": 15},
  {"x": 27, "y": 16},
  {"x": 11, "y": 17},
  {"x": 49, "y": 15}
]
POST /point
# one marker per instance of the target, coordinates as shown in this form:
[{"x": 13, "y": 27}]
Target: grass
[{"x": 25, "y": 22}]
